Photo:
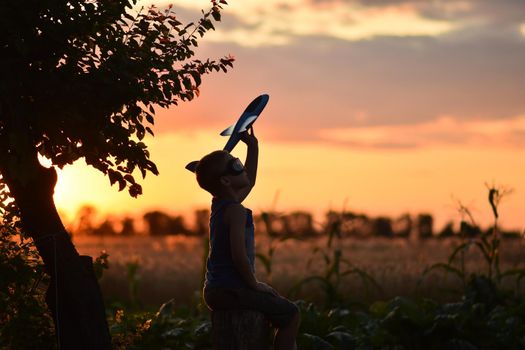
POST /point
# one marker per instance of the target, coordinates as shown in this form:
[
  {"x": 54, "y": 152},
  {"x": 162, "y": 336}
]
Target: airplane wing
[
  {"x": 228, "y": 131},
  {"x": 246, "y": 124}
]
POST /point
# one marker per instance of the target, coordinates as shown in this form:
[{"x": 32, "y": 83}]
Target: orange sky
[
  {"x": 317, "y": 177},
  {"x": 390, "y": 106}
]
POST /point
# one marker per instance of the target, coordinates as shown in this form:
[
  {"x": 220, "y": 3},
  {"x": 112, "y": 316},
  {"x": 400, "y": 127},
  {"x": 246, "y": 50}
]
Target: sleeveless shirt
[{"x": 220, "y": 270}]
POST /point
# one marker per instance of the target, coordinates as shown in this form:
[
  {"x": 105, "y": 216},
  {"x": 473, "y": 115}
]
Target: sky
[{"x": 376, "y": 106}]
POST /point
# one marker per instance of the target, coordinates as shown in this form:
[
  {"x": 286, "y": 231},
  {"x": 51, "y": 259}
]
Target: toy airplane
[{"x": 246, "y": 120}]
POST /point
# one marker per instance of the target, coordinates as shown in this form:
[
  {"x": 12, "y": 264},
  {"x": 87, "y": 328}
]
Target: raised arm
[
  {"x": 252, "y": 156},
  {"x": 252, "y": 160}
]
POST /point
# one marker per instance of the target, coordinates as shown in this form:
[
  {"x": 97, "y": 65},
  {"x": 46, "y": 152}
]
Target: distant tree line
[
  {"x": 298, "y": 224},
  {"x": 358, "y": 225}
]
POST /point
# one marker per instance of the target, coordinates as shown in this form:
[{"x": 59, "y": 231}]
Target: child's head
[{"x": 216, "y": 171}]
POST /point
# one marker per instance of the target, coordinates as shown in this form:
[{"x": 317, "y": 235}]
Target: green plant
[
  {"x": 24, "y": 319},
  {"x": 484, "y": 318},
  {"x": 100, "y": 264},
  {"x": 133, "y": 278},
  {"x": 25, "y": 322},
  {"x": 268, "y": 218},
  {"x": 487, "y": 243},
  {"x": 273, "y": 238},
  {"x": 169, "y": 328},
  {"x": 336, "y": 268}
]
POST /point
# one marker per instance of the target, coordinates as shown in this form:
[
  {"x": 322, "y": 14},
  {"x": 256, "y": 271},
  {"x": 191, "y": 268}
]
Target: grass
[{"x": 171, "y": 267}]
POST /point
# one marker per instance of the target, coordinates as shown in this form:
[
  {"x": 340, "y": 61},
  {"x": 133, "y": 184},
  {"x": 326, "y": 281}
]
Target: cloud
[
  {"x": 443, "y": 131},
  {"x": 502, "y": 11},
  {"x": 322, "y": 82},
  {"x": 346, "y": 21},
  {"x": 274, "y": 22}
]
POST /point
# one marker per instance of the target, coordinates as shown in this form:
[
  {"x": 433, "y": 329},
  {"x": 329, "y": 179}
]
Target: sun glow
[{"x": 314, "y": 177}]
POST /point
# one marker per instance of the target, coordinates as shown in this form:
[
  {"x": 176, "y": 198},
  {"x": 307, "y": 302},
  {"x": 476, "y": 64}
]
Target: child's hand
[
  {"x": 263, "y": 287},
  {"x": 248, "y": 137}
]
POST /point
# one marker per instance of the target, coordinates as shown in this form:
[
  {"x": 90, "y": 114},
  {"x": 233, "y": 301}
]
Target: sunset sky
[{"x": 382, "y": 106}]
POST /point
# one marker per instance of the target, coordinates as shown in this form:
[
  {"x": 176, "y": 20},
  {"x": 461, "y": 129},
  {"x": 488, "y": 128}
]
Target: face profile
[{"x": 234, "y": 175}]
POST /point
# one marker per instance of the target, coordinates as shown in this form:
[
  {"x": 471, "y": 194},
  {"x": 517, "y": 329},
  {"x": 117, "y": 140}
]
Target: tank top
[{"x": 220, "y": 271}]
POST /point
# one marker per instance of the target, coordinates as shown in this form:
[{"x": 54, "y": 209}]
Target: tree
[
  {"x": 85, "y": 220},
  {"x": 299, "y": 224},
  {"x": 202, "y": 220},
  {"x": 81, "y": 79},
  {"x": 447, "y": 230},
  {"x": 160, "y": 224},
  {"x": 402, "y": 226},
  {"x": 382, "y": 226},
  {"x": 425, "y": 226},
  {"x": 128, "y": 226}
]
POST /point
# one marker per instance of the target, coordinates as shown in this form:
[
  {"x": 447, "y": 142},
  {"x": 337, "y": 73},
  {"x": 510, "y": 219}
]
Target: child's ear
[{"x": 225, "y": 181}]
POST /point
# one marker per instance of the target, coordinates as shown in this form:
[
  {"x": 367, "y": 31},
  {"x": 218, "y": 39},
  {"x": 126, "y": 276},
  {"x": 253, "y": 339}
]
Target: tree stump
[{"x": 239, "y": 330}]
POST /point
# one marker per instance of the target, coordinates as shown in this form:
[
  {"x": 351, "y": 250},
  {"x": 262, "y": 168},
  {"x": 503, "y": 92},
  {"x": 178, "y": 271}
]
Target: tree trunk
[
  {"x": 74, "y": 296},
  {"x": 239, "y": 329}
]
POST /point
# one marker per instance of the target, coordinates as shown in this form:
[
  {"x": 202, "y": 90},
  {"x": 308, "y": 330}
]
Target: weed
[
  {"x": 133, "y": 278},
  {"x": 336, "y": 268},
  {"x": 487, "y": 243}
]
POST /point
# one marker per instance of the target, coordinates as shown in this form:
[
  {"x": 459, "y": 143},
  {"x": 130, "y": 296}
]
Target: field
[
  {"x": 374, "y": 293},
  {"x": 150, "y": 270}
]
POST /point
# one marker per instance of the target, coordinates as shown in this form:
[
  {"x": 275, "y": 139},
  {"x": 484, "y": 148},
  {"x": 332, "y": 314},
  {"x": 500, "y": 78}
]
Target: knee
[{"x": 293, "y": 319}]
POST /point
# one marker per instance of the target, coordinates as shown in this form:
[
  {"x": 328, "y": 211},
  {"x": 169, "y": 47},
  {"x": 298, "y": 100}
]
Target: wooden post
[{"x": 239, "y": 330}]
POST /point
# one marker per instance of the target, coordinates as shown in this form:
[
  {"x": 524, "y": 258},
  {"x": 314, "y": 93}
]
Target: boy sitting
[{"x": 230, "y": 280}]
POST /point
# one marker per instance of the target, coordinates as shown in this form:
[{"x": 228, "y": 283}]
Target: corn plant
[
  {"x": 336, "y": 268},
  {"x": 273, "y": 238},
  {"x": 488, "y": 244},
  {"x": 268, "y": 218},
  {"x": 133, "y": 277}
]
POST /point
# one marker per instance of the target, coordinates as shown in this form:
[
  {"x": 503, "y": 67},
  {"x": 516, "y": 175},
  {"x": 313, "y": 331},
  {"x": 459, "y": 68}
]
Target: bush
[
  {"x": 485, "y": 318},
  {"x": 25, "y": 322}
]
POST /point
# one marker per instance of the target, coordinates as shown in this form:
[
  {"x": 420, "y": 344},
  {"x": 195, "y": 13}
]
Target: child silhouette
[{"x": 230, "y": 281}]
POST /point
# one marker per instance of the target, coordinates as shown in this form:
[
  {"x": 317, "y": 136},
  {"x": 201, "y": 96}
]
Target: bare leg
[{"x": 285, "y": 337}]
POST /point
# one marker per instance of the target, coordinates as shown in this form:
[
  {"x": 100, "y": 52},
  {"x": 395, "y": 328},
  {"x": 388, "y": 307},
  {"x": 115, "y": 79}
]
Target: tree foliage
[{"x": 81, "y": 79}]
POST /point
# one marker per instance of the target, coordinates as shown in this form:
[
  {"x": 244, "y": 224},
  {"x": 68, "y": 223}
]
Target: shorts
[{"x": 277, "y": 309}]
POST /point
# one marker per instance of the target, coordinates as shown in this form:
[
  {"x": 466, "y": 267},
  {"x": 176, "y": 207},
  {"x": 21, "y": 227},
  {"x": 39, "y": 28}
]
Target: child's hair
[{"x": 209, "y": 169}]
